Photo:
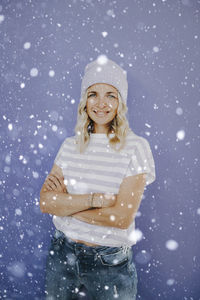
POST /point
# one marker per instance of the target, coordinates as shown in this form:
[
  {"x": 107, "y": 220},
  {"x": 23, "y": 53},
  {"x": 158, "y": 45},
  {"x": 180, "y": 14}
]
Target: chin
[{"x": 103, "y": 122}]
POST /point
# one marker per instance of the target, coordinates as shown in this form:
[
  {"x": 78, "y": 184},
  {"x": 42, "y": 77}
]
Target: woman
[{"x": 94, "y": 191}]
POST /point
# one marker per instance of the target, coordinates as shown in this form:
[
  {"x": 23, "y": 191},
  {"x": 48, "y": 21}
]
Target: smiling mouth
[{"x": 100, "y": 113}]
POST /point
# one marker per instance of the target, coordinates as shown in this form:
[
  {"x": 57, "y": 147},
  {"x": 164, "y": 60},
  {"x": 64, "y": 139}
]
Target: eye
[
  {"x": 91, "y": 95},
  {"x": 113, "y": 97}
]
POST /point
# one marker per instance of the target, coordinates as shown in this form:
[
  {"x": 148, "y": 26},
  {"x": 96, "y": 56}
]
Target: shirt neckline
[{"x": 100, "y": 135}]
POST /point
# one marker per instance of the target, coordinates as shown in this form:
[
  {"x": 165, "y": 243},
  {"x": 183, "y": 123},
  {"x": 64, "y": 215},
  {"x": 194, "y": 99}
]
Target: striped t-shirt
[{"x": 100, "y": 169}]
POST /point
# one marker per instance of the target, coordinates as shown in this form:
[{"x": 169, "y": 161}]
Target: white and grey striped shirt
[{"x": 100, "y": 169}]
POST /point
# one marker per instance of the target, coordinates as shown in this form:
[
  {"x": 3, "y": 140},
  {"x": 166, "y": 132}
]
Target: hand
[
  {"x": 104, "y": 200},
  {"x": 110, "y": 199},
  {"x": 55, "y": 183}
]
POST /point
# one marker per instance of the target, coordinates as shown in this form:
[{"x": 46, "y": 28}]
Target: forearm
[
  {"x": 64, "y": 204},
  {"x": 107, "y": 216}
]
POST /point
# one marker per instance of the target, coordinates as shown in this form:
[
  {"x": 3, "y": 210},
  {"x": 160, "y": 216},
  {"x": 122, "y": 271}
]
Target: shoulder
[
  {"x": 133, "y": 140},
  {"x": 69, "y": 140}
]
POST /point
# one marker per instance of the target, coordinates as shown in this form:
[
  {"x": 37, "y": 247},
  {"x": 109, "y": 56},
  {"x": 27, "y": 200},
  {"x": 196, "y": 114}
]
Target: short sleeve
[
  {"x": 58, "y": 159},
  {"x": 142, "y": 161}
]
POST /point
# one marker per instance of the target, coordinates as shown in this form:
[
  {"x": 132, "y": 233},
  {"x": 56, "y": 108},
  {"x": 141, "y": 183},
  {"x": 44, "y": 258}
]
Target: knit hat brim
[{"x": 105, "y": 71}]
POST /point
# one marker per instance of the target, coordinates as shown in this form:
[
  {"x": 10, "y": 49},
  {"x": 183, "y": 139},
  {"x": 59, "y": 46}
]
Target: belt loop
[
  {"x": 74, "y": 245},
  {"x": 125, "y": 249},
  {"x": 96, "y": 256}
]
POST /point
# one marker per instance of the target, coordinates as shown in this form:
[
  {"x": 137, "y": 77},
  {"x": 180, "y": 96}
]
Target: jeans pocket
[
  {"x": 58, "y": 238},
  {"x": 114, "y": 259}
]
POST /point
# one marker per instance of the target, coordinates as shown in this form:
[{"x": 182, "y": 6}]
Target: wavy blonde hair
[{"x": 85, "y": 125}]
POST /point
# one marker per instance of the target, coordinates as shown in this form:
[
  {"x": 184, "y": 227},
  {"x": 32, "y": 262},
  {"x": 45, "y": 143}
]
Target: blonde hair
[{"x": 85, "y": 125}]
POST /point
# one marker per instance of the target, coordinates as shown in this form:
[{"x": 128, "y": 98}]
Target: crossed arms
[{"x": 117, "y": 210}]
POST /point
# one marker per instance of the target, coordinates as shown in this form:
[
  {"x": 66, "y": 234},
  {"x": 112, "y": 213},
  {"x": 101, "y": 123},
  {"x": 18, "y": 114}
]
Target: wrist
[
  {"x": 98, "y": 200},
  {"x": 91, "y": 200}
]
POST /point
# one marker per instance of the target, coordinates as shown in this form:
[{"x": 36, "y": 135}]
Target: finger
[
  {"x": 58, "y": 187},
  {"x": 60, "y": 180},
  {"x": 53, "y": 188},
  {"x": 54, "y": 180},
  {"x": 49, "y": 188},
  {"x": 50, "y": 184}
]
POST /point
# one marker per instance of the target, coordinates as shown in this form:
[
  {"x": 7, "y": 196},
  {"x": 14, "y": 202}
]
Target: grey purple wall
[{"x": 44, "y": 47}]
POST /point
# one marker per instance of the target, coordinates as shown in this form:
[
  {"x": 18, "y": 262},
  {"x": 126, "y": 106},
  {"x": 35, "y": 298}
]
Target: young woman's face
[{"x": 102, "y": 104}]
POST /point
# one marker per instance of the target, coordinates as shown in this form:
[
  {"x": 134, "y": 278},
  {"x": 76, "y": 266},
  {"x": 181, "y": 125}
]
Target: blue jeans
[{"x": 106, "y": 272}]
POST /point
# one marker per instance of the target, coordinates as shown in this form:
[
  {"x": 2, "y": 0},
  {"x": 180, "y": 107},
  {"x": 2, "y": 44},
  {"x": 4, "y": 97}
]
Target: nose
[{"x": 101, "y": 102}]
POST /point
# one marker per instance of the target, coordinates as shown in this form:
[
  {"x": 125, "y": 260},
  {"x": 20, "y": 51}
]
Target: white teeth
[{"x": 101, "y": 112}]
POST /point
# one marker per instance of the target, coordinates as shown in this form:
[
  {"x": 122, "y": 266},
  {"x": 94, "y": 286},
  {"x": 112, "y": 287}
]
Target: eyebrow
[{"x": 106, "y": 93}]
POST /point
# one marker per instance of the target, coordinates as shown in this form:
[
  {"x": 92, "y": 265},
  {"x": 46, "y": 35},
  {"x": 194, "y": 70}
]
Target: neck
[{"x": 100, "y": 129}]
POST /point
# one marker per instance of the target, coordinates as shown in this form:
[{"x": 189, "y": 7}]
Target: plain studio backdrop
[{"x": 44, "y": 47}]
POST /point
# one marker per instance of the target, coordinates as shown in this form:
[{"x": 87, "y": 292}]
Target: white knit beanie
[{"x": 104, "y": 70}]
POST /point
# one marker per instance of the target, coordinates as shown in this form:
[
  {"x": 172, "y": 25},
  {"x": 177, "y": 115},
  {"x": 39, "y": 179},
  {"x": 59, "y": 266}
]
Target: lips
[{"x": 100, "y": 112}]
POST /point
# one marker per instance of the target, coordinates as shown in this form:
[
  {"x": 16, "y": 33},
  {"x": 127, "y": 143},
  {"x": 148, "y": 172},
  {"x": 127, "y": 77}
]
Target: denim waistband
[{"x": 90, "y": 249}]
